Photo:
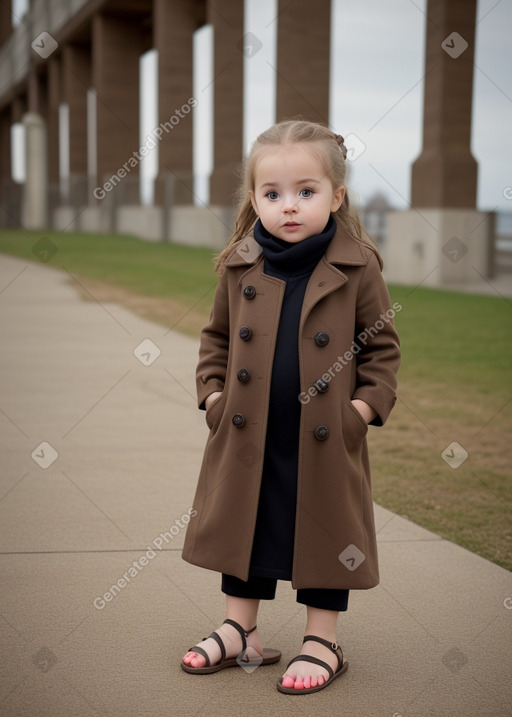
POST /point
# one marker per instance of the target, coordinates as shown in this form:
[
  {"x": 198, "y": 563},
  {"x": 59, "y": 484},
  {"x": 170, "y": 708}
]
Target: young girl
[{"x": 299, "y": 356}]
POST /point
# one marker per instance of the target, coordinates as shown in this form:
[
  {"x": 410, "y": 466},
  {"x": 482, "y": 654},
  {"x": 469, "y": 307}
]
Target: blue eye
[
  {"x": 272, "y": 195},
  {"x": 306, "y": 193}
]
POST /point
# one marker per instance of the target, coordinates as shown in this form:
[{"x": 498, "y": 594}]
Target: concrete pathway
[{"x": 101, "y": 447}]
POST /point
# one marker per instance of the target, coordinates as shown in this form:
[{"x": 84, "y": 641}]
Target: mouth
[{"x": 292, "y": 224}]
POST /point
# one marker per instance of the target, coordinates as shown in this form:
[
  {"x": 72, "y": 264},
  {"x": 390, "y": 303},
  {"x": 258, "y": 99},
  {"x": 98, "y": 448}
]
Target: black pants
[{"x": 265, "y": 589}]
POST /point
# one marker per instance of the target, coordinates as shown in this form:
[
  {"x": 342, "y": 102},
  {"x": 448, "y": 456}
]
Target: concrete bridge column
[
  {"x": 5, "y": 143},
  {"x": 5, "y": 20},
  {"x": 36, "y": 191},
  {"x": 173, "y": 27},
  {"x": 445, "y": 174},
  {"x": 35, "y": 195},
  {"x": 303, "y": 60},
  {"x": 116, "y": 50},
  {"x": 12, "y": 192},
  {"x": 37, "y": 93},
  {"x": 76, "y": 79},
  {"x": 227, "y": 18},
  {"x": 7, "y": 215},
  {"x": 443, "y": 239},
  {"x": 53, "y": 101},
  {"x": 18, "y": 108}
]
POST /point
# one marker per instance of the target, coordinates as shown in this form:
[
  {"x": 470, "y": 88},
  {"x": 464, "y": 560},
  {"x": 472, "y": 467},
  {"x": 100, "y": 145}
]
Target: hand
[
  {"x": 211, "y": 399},
  {"x": 366, "y": 411}
]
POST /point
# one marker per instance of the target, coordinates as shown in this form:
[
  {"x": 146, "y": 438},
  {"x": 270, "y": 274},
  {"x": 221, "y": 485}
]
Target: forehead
[{"x": 288, "y": 163}]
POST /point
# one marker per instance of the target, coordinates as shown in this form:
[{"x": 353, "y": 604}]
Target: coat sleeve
[
  {"x": 378, "y": 359},
  {"x": 214, "y": 346}
]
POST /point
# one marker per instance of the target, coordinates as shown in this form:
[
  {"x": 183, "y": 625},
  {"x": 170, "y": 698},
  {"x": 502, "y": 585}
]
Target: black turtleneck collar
[{"x": 293, "y": 259}]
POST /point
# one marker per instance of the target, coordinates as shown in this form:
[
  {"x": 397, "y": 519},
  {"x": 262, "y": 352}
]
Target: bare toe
[
  {"x": 232, "y": 644},
  {"x": 194, "y": 660},
  {"x": 305, "y": 676}
]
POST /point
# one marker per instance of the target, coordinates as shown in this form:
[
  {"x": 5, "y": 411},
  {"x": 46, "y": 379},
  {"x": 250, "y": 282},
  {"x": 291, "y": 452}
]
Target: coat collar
[{"x": 342, "y": 250}]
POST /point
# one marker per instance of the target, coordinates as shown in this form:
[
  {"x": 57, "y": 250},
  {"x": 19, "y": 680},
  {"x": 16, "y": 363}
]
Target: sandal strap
[
  {"x": 315, "y": 661},
  {"x": 332, "y": 646},
  {"x": 202, "y": 652},
  {"x": 218, "y": 639},
  {"x": 215, "y": 636},
  {"x": 243, "y": 633}
]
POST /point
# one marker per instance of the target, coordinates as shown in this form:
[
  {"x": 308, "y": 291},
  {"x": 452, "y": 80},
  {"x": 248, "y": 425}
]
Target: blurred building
[
  {"x": 69, "y": 72},
  {"x": 374, "y": 215}
]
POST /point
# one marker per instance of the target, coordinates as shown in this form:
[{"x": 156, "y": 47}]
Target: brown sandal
[
  {"x": 340, "y": 670},
  {"x": 249, "y": 663}
]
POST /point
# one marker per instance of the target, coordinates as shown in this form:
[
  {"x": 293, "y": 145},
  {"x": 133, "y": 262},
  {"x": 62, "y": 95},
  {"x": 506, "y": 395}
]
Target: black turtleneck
[
  {"x": 272, "y": 554},
  {"x": 286, "y": 260}
]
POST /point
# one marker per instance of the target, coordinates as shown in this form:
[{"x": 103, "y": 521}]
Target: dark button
[
  {"x": 321, "y": 338},
  {"x": 245, "y": 333},
  {"x": 249, "y": 292},
  {"x": 238, "y": 420},
  {"x": 321, "y": 385},
  {"x": 243, "y": 375},
  {"x": 321, "y": 433}
]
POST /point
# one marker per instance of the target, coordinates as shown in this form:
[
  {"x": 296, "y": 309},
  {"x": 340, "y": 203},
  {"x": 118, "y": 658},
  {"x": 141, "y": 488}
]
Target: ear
[
  {"x": 337, "y": 198},
  {"x": 253, "y": 201}
]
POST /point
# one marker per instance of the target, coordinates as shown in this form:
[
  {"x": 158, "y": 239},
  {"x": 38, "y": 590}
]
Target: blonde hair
[{"x": 332, "y": 154}]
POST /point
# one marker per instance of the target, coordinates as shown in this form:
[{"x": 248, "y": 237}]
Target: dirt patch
[
  {"x": 171, "y": 313},
  {"x": 469, "y": 504}
]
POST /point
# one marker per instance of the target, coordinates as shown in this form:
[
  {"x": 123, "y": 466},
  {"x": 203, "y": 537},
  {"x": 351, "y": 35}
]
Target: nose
[{"x": 290, "y": 204}]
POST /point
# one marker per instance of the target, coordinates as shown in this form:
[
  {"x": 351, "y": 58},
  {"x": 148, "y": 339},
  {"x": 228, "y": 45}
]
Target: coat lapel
[{"x": 327, "y": 277}]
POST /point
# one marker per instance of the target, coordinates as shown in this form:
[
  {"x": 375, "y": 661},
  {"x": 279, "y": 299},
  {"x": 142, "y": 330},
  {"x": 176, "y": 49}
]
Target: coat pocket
[
  {"x": 215, "y": 411},
  {"x": 355, "y": 427}
]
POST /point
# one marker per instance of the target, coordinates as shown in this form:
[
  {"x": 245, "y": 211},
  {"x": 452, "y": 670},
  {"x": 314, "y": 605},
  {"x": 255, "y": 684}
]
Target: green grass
[
  {"x": 452, "y": 337},
  {"x": 455, "y": 381},
  {"x": 455, "y": 385},
  {"x": 150, "y": 268}
]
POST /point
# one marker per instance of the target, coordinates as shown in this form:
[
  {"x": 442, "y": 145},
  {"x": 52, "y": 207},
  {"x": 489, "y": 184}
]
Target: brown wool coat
[{"x": 345, "y": 297}]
